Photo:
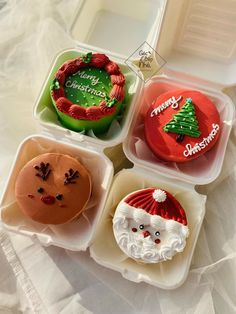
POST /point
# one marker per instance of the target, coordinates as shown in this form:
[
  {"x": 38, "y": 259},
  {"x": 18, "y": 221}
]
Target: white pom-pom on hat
[{"x": 159, "y": 195}]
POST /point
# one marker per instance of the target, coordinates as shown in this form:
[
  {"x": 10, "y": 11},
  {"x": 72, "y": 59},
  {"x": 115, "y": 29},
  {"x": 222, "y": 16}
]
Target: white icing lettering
[
  {"x": 94, "y": 80},
  {"x": 203, "y": 144},
  {"x": 84, "y": 88},
  {"x": 173, "y": 102}
]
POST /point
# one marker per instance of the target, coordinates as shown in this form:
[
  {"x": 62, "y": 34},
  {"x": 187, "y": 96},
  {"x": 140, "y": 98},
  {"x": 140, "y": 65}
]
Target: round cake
[
  {"x": 181, "y": 125},
  {"x": 150, "y": 225},
  {"x": 53, "y": 188},
  {"x": 87, "y": 92}
]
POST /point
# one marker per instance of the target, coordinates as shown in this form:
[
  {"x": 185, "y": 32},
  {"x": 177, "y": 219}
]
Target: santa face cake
[
  {"x": 87, "y": 92},
  {"x": 53, "y": 188},
  {"x": 181, "y": 125},
  {"x": 150, "y": 226}
]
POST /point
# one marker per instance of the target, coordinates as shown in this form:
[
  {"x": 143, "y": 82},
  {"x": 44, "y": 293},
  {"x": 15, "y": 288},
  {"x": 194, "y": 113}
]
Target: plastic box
[
  {"x": 201, "y": 170},
  {"x": 105, "y": 251},
  {"x": 118, "y": 26},
  {"x": 174, "y": 28},
  {"x": 47, "y": 117},
  {"x": 77, "y": 234}
]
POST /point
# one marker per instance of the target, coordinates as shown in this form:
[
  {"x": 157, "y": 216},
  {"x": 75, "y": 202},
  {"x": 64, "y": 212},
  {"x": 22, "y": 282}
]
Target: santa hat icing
[
  {"x": 154, "y": 210},
  {"x": 155, "y": 207},
  {"x": 157, "y": 202}
]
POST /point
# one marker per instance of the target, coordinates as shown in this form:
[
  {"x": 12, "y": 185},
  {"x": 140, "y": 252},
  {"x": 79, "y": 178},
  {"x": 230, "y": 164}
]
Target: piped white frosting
[
  {"x": 172, "y": 234},
  {"x": 159, "y": 195}
]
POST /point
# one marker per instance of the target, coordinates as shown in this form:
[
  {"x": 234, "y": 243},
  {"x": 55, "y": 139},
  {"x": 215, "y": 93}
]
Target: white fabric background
[{"x": 34, "y": 279}]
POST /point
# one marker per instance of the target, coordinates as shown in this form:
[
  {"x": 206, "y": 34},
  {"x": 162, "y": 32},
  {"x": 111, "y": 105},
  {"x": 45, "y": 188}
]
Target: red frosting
[
  {"x": 168, "y": 209},
  {"x": 76, "y": 111},
  {"x": 57, "y": 93},
  {"x": 164, "y": 144}
]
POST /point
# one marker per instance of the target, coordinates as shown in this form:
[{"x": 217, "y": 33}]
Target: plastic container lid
[
  {"x": 118, "y": 26},
  {"x": 198, "y": 37}
]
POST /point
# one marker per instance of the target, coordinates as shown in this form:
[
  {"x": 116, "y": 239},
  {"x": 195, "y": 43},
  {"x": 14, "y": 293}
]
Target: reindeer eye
[
  {"x": 40, "y": 190},
  {"x": 141, "y": 227},
  {"x": 59, "y": 197},
  {"x": 157, "y": 233}
]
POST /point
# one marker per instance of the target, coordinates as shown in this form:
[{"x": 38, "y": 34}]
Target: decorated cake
[
  {"x": 87, "y": 92},
  {"x": 181, "y": 125},
  {"x": 150, "y": 226},
  {"x": 53, "y": 188}
]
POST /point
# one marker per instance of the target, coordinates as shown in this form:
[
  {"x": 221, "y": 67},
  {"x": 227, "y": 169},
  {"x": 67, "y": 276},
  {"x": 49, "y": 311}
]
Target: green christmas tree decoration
[
  {"x": 87, "y": 57},
  {"x": 184, "y": 122},
  {"x": 55, "y": 84},
  {"x": 110, "y": 102}
]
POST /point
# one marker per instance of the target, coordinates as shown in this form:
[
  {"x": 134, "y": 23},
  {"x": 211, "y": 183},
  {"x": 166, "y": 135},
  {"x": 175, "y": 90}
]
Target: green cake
[{"x": 87, "y": 93}]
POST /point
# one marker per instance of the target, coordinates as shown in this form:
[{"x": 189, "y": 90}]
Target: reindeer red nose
[
  {"x": 48, "y": 199},
  {"x": 146, "y": 233}
]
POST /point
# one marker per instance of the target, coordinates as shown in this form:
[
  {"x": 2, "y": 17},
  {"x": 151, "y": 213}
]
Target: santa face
[{"x": 146, "y": 238}]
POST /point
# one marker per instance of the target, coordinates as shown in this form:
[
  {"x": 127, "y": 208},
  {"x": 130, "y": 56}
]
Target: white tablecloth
[{"x": 34, "y": 279}]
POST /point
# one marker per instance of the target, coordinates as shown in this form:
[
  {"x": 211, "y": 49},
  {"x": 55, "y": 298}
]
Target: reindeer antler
[
  {"x": 43, "y": 170},
  {"x": 70, "y": 176}
]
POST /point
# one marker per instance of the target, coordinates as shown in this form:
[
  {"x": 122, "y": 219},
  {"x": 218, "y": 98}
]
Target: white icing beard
[{"x": 172, "y": 235}]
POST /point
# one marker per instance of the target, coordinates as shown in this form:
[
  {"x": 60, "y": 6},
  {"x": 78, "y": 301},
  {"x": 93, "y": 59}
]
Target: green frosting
[
  {"x": 98, "y": 127},
  {"x": 55, "y": 84},
  {"x": 185, "y": 121},
  {"x": 87, "y": 57},
  {"x": 88, "y": 87}
]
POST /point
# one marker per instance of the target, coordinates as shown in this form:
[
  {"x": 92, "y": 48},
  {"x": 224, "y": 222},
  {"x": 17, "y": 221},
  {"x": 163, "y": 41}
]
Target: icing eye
[
  {"x": 134, "y": 229},
  {"x": 141, "y": 227},
  {"x": 157, "y": 233},
  {"x": 40, "y": 190},
  {"x": 59, "y": 197}
]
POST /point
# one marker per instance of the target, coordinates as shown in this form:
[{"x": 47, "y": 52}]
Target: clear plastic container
[
  {"x": 197, "y": 38},
  {"x": 47, "y": 117},
  {"x": 105, "y": 251},
  {"x": 77, "y": 234},
  {"x": 184, "y": 33},
  {"x": 118, "y": 26},
  {"x": 201, "y": 170}
]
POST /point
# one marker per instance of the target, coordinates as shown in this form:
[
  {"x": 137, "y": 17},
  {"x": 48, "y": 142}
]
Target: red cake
[{"x": 181, "y": 125}]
